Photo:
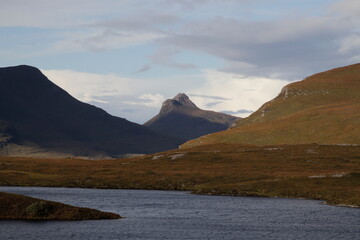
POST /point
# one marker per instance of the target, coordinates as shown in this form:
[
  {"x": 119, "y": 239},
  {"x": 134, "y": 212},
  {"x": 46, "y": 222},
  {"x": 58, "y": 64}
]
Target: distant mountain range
[
  {"x": 323, "y": 108},
  {"x": 180, "y": 117},
  {"x": 37, "y": 114}
]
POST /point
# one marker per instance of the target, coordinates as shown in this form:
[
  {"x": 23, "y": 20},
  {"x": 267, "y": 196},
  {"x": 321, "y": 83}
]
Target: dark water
[{"x": 179, "y": 215}]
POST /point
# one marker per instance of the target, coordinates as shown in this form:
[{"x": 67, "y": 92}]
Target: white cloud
[
  {"x": 350, "y": 44},
  {"x": 86, "y": 25},
  {"x": 130, "y": 97},
  {"x": 122, "y": 106},
  {"x": 43, "y": 13},
  {"x": 100, "y": 40},
  {"x": 89, "y": 87},
  {"x": 153, "y": 100},
  {"x": 236, "y": 92},
  {"x": 120, "y": 96},
  {"x": 288, "y": 48},
  {"x": 164, "y": 57},
  {"x": 350, "y": 8},
  {"x": 83, "y": 85},
  {"x": 149, "y": 100},
  {"x": 254, "y": 53},
  {"x": 135, "y": 99}
]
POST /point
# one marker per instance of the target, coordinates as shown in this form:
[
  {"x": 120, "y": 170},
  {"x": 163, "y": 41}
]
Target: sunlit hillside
[{"x": 323, "y": 108}]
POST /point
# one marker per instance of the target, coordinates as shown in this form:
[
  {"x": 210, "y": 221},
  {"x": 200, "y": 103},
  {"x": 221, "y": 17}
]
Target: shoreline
[{"x": 322, "y": 201}]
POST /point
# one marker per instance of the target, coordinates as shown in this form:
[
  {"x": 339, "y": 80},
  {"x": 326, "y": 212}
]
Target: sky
[{"x": 128, "y": 56}]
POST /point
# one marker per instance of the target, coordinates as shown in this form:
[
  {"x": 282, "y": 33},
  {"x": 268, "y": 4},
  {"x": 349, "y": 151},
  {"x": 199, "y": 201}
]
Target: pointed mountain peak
[
  {"x": 180, "y": 101},
  {"x": 184, "y": 100},
  {"x": 180, "y": 117}
]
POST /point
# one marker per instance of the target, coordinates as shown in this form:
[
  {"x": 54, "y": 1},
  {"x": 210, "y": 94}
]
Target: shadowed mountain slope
[
  {"x": 34, "y": 111},
  {"x": 180, "y": 117},
  {"x": 323, "y": 108}
]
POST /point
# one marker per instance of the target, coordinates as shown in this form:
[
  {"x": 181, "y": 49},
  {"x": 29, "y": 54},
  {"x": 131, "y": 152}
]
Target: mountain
[
  {"x": 180, "y": 117},
  {"x": 323, "y": 108},
  {"x": 36, "y": 113}
]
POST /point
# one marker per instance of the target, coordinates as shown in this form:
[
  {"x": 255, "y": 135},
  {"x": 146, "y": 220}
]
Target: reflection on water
[{"x": 179, "y": 215}]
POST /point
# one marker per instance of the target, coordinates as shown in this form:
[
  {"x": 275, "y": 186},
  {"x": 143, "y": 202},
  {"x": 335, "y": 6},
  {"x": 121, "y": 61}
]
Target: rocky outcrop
[{"x": 180, "y": 117}]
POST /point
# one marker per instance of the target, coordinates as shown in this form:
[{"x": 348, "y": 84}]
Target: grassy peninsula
[
  {"x": 325, "y": 172},
  {"x": 14, "y": 206}
]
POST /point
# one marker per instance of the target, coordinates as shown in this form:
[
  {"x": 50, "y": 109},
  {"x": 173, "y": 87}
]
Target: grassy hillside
[
  {"x": 323, "y": 108},
  {"x": 14, "y": 206},
  {"x": 326, "y": 172}
]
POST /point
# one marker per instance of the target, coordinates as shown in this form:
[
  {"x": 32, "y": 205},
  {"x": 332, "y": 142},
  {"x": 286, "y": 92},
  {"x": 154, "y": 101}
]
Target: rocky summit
[{"x": 180, "y": 117}]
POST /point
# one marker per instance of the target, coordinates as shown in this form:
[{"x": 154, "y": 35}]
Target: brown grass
[{"x": 326, "y": 172}]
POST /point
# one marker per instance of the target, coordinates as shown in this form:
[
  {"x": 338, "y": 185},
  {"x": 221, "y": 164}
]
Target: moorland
[{"x": 326, "y": 172}]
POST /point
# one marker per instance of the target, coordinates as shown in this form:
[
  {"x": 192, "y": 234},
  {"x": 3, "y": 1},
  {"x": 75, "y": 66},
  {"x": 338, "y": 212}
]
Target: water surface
[{"x": 180, "y": 215}]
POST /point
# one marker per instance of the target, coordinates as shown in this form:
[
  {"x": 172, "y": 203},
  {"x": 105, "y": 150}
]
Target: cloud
[
  {"x": 349, "y": 8},
  {"x": 241, "y": 111},
  {"x": 350, "y": 44},
  {"x": 85, "y": 85},
  {"x": 233, "y": 90},
  {"x": 135, "y": 14},
  {"x": 145, "y": 68},
  {"x": 207, "y": 96},
  {"x": 140, "y": 21},
  {"x": 220, "y": 91},
  {"x": 149, "y": 100},
  {"x": 88, "y": 25},
  {"x": 120, "y": 96},
  {"x": 100, "y": 40},
  {"x": 118, "y": 106},
  {"x": 95, "y": 88},
  {"x": 43, "y": 13},
  {"x": 252, "y": 49},
  {"x": 186, "y": 4},
  {"x": 164, "y": 56},
  {"x": 280, "y": 48},
  {"x": 211, "y": 104},
  {"x": 89, "y": 86},
  {"x": 128, "y": 110},
  {"x": 276, "y": 47},
  {"x": 89, "y": 99}
]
